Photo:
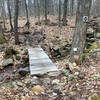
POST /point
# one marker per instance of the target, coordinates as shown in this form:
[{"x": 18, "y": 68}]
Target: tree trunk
[
  {"x": 45, "y": 12},
  {"x": 16, "y": 22},
  {"x": 3, "y": 14},
  {"x": 38, "y": 11},
  {"x": 59, "y": 17},
  {"x": 71, "y": 7},
  {"x": 26, "y": 12},
  {"x": 79, "y": 38},
  {"x": 65, "y": 12},
  {"x": 2, "y": 38},
  {"x": 10, "y": 17}
]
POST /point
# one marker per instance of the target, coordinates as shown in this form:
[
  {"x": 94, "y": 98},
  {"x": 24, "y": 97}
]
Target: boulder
[
  {"x": 7, "y": 62},
  {"x": 23, "y": 71},
  {"x": 35, "y": 81},
  {"x": 53, "y": 74},
  {"x": 18, "y": 57}
]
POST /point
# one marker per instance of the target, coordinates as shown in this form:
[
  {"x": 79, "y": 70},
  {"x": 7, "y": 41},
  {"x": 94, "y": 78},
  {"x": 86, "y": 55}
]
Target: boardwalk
[{"x": 40, "y": 62}]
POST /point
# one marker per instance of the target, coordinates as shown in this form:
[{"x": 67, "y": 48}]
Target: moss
[
  {"x": 2, "y": 41},
  {"x": 95, "y": 97},
  {"x": 91, "y": 47},
  {"x": 68, "y": 49},
  {"x": 9, "y": 52},
  {"x": 86, "y": 50},
  {"x": 59, "y": 59},
  {"x": 88, "y": 46},
  {"x": 94, "y": 46},
  {"x": 26, "y": 52},
  {"x": 82, "y": 57}
]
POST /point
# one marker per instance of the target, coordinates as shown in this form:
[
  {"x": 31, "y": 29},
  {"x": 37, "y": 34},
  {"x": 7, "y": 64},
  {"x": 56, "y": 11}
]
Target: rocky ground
[{"x": 72, "y": 82}]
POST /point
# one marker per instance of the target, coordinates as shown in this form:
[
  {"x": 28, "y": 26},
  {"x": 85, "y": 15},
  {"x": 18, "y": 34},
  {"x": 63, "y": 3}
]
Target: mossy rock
[
  {"x": 9, "y": 52},
  {"x": 86, "y": 50},
  {"x": 88, "y": 46},
  {"x": 26, "y": 52},
  {"x": 3, "y": 40},
  {"x": 94, "y": 46}
]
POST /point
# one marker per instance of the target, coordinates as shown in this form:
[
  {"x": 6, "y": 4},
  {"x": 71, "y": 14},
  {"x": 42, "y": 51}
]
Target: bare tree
[
  {"x": 45, "y": 13},
  {"x": 59, "y": 17},
  {"x": 65, "y": 12},
  {"x": 38, "y": 11},
  {"x": 10, "y": 17},
  {"x": 3, "y": 14},
  {"x": 79, "y": 38},
  {"x": 26, "y": 7},
  {"x": 16, "y": 22},
  {"x": 71, "y": 7}
]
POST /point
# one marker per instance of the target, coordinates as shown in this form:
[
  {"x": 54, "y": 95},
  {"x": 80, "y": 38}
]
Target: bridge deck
[{"x": 40, "y": 62}]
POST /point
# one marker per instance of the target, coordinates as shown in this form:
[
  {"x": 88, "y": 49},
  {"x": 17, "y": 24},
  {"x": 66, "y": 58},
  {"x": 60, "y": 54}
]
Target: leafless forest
[{"x": 66, "y": 33}]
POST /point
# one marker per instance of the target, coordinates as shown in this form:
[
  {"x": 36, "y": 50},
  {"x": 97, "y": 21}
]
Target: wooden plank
[{"x": 40, "y": 62}]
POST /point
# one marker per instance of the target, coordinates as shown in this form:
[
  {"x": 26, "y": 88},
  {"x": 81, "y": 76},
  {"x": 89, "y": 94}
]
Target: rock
[
  {"x": 46, "y": 81},
  {"x": 35, "y": 81},
  {"x": 26, "y": 98},
  {"x": 81, "y": 75},
  {"x": 73, "y": 68},
  {"x": 38, "y": 89},
  {"x": 76, "y": 73},
  {"x": 7, "y": 62},
  {"x": 53, "y": 24},
  {"x": 54, "y": 74},
  {"x": 25, "y": 59},
  {"x": 70, "y": 77},
  {"x": 90, "y": 30},
  {"x": 27, "y": 32},
  {"x": 65, "y": 72},
  {"x": 18, "y": 57},
  {"x": 56, "y": 81},
  {"x": 94, "y": 97},
  {"x": 19, "y": 83},
  {"x": 19, "y": 65},
  {"x": 74, "y": 64},
  {"x": 58, "y": 86},
  {"x": 23, "y": 71},
  {"x": 98, "y": 36},
  {"x": 90, "y": 35},
  {"x": 90, "y": 40}
]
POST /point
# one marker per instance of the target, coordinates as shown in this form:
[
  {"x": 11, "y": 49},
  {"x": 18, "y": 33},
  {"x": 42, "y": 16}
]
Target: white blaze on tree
[{"x": 79, "y": 38}]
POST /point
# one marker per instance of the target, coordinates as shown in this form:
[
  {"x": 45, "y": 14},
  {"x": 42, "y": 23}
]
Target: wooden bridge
[{"x": 39, "y": 62}]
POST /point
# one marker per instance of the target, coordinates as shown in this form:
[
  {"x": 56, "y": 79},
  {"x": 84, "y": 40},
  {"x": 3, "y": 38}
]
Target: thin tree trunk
[
  {"x": 59, "y": 17},
  {"x": 38, "y": 11},
  {"x": 45, "y": 12},
  {"x": 3, "y": 14},
  {"x": 65, "y": 12},
  {"x": 26, "y": 12},
  {"x": 79, "y": 38},
  {"x": 10, "y": 17},
  {"x": 16, "y": 22}
]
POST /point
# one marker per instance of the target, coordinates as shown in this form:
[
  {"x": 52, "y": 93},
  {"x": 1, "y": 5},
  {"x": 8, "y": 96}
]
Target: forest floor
[{"x": 63, "y": 85}]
